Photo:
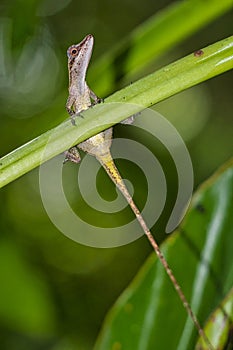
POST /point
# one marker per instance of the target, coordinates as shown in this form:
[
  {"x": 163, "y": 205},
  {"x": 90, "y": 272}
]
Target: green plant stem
[{"x": 178, "y": 76}]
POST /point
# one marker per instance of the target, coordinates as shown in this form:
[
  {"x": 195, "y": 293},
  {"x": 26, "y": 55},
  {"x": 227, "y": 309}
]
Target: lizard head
[{"x": 79, "y": 55}]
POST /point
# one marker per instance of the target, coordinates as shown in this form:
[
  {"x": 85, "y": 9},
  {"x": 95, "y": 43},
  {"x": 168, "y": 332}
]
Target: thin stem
[
  {"x": 177, "y": 287},
  {"x": 115, "y": 176},
  {"x": 165, "y": 264}
]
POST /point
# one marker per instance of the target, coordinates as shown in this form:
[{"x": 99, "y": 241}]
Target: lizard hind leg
[
  {"x": 129, "y": 120},
  {"x": 72, "y": 155}
]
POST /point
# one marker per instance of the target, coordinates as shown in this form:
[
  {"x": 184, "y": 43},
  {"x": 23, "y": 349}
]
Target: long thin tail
[{"x": 115, "y": 176}]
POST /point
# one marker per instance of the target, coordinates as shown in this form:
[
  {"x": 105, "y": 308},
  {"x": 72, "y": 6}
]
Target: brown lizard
[{"x": 81, "y": 97}]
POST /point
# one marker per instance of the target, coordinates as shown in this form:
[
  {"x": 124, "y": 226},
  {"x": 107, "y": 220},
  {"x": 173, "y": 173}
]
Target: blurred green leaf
[
  {"x": 152, "y": 38},
  {"x": 220, "y": 325},
  {"x": 149, "y": 314},
  {"x": 34, "y": 47},
  {"x": 25, "y": 304},
  {"x": 28, "y": 82}
]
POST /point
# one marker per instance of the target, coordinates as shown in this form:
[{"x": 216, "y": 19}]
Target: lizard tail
[{"x": 112, "y": 171}]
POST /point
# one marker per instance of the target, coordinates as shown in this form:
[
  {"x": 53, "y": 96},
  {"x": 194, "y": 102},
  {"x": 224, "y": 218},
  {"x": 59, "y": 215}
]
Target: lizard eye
[{"x": 72, "y": 51}]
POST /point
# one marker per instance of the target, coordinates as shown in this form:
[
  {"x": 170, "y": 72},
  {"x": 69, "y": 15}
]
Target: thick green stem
[{"x": 178, "y": 76}]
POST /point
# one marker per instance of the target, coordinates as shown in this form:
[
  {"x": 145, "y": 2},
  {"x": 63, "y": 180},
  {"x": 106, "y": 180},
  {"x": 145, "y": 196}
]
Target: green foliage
[
  {"x": 25, "y": 303},
  {"x": 174, "y": 78},
  {"x": 55, "y": 293},
  {"x": 219, "y": 325},
  {"x": 149, "y": 314},
  {"x": 146, "y": 43}
]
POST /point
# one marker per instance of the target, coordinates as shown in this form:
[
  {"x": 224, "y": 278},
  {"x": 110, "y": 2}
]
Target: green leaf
[
  {"x": 25, "y": 304},
  {"x": 149, "y": 314},
  {"x": 152, "y": 38},
  {"x": 220, "y": 325}
]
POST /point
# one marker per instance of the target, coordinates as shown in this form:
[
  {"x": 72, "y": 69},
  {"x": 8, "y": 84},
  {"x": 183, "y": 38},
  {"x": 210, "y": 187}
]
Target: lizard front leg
[
  {"x": 95, "y": 98},
  {"x": 69, "y": 105},
  {"x": 70, "y": 109}
]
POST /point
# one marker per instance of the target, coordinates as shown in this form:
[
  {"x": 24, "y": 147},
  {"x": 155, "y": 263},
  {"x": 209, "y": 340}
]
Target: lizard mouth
[{"x": 88, "y": 39}]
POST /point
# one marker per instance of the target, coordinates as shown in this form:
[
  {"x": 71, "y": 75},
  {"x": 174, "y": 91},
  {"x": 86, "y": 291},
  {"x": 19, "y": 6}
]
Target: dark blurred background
[{"x": 54, "y": 292}]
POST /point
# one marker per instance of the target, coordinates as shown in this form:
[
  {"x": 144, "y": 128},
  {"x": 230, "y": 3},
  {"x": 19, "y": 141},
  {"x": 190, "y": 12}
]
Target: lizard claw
[
  {"x": 73, "y": 116},
  {"x": 100, "y": 100},
  {"x": 72, "y": 155}
]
